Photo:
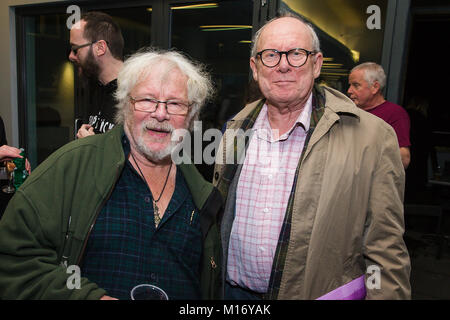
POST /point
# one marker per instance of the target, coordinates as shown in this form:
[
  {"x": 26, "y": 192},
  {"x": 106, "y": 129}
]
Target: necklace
[{"x": 155, "y": 206}]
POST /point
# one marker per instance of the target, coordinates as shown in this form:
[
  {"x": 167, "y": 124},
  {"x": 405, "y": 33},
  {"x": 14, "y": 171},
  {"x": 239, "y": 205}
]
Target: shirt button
[
  {"x": 153, "y": 276},
  {"x": 266, "y": 210},
  {"x": 147, "y": 199},
  {"x": 270, "y": 176}
]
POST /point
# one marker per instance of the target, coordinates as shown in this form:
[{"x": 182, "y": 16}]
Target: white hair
[
  {"x": 139, "y": 66},
  {"x": 372, "y": 72},
  {"x": 314, "y": 38}
]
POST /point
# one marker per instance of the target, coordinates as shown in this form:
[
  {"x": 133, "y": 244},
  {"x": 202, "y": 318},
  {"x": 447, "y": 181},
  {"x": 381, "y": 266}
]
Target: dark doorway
[
  {"x": 426, "y": 100},
  {"x": 427, "y": 196}
]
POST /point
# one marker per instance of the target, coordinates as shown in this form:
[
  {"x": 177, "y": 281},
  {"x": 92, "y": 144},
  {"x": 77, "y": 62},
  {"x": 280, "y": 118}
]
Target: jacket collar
[
  {"x": 335, "y": 102},
  {"x": 199, "y": 187},
  {"x": 339, "y": 103}
]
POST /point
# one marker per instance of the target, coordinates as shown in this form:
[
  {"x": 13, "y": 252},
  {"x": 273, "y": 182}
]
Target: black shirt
[{"x": 102, "y": 111}]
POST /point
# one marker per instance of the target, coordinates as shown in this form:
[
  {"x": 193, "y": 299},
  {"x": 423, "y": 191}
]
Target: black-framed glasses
[
  {"x": 296, "y": 57},
  {"x": 173, "y": 107},
  {"x": 74, "y": 49}
]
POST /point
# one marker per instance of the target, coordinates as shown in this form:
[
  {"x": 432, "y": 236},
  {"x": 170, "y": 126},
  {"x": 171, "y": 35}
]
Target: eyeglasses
[
  {"x": 173, "y": 107},
  {"x": 74, "y": 49},
  {"x": 296, "y": 57}
]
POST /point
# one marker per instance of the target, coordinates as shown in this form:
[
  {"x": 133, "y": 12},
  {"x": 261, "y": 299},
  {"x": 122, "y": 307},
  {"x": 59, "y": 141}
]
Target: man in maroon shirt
[{"x": 367, "y": 81}]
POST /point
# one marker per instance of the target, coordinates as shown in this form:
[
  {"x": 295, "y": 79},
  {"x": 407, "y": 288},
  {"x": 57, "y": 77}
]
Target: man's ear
[
  {"x": 376, "y": 88},
  {"x": 101, "y": 47},
  {"x": 253, "y": 67},
  {"x": 318, "y": 64}
]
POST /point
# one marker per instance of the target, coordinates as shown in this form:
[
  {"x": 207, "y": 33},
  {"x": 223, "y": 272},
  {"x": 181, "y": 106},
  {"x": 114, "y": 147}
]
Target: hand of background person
[
  {"x": 9, "y": 153},
  {"x": 27, "y": 166},
  {"x": 108, "y": 298},
  {"x": 85, "y": 130}
]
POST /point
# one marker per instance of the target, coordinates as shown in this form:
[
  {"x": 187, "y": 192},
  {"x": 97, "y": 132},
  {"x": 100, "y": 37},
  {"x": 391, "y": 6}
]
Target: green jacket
[{"x": 47, "y": 223}]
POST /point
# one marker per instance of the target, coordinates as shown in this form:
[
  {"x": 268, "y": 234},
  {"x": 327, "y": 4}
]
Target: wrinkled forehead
[
  {"x": 285, "y": 31},
  {"x": 357, "y": 75},
  {"x": 165, "y": 74},
  {"x": 162, "y": 71}
]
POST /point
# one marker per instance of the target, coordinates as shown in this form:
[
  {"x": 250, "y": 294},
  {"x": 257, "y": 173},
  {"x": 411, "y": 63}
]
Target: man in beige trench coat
[{"x": 314, "y": 199}]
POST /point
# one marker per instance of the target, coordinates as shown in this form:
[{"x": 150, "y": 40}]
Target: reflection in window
[
  {"x": 135, "y": 25},
  {"x": 50, "y": 85},
  {"x": 344, "y": 36},
  {"x": 54, "y": 95},
  {"x": 219, "y": 35}
]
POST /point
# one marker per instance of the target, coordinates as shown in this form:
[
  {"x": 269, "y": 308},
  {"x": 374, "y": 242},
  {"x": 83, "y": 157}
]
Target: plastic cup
[{"x": 148, "y": 292}]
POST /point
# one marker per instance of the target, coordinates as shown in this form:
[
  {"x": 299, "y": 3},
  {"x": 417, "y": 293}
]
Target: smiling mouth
[{"x": 158, "y": 131}]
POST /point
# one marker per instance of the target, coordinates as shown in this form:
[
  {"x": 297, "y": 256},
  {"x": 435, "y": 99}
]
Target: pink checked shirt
[{"x": 262, "y": 196}]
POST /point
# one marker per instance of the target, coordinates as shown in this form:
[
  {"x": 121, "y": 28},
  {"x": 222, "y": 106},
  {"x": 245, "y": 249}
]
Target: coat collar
[{"x": 335, "y": 102}]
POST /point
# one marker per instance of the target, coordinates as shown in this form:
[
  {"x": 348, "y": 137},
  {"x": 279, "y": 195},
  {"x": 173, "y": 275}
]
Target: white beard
[{"x": 142, "y": 147}]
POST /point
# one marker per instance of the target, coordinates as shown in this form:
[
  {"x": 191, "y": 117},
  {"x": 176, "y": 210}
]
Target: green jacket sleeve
[{"x": 29, "y": 265}]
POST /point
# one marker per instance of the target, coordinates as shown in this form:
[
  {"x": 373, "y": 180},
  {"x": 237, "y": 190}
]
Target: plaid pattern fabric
[
  {"x": 124, "y": 248},
  {"x": 283, "y": 241},
  {"x": 262, "y": 196}
]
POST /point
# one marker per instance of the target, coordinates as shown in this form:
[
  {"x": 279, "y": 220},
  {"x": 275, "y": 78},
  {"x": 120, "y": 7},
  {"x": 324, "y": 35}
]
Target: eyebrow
[{"x": 149, "y": 96}]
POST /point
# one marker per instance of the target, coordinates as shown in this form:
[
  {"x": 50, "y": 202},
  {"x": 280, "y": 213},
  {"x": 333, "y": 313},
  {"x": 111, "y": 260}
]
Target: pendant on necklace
[{"x": 156, "y": 213}]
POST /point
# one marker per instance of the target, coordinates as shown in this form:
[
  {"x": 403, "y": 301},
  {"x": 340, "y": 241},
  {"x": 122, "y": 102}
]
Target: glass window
[
  {"x": 348, "y": 34},
  {"x": 49, "y": 85},
  {"x": 52, "y": 95},
  {"x": 219, "y": 35},
  {"x": 135, "y": 23}
]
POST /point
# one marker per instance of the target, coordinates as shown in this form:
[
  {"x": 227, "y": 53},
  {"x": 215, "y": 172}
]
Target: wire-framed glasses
[
  {"x": 296, "y": 57},
  {"x": 173, "y": 107}
]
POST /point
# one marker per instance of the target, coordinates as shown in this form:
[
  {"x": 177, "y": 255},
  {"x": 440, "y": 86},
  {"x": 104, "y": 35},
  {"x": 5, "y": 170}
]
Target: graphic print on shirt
[{"x": 99, "y": 123}]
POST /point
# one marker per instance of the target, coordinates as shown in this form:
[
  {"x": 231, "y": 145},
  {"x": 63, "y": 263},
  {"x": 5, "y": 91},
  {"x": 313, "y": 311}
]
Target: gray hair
[
  {"x": 139, "y": 66},
  {"x": 372, "y": 72},
  {"x": 314, "y": 38}
]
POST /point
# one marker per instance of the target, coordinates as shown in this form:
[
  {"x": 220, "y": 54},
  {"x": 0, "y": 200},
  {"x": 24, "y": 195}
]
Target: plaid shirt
[
  {"x": 124, "y": 248},
  {"x": 263, "y": 192}
]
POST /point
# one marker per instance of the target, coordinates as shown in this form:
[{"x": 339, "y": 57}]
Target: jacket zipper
[
  {"x": 80, "y": 257},
  {"x": 64, "y": 258}
]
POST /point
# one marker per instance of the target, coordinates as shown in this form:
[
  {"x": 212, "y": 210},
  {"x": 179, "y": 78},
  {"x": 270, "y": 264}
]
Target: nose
[
  {"x": 72, "y": 56},
  {"x": 350, "y": 90},
  {"x": 283, "y": 65},
  {"x": 160, "y": 113}
]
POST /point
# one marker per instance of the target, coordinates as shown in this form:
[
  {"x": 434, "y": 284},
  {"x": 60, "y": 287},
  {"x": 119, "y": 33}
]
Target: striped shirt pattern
[{"x": 263, "y": 192}]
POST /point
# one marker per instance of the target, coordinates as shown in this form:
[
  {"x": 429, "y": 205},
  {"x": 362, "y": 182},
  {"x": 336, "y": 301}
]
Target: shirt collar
[{"x": 263, "y": 129}]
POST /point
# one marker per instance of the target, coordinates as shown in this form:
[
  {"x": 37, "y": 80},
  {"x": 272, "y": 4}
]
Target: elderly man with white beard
[{"x": 114, "y": 207}]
